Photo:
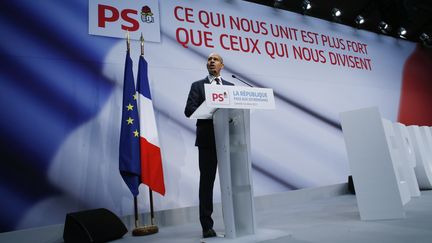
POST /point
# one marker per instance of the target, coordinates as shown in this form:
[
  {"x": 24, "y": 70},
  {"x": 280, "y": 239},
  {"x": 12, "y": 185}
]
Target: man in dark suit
[{"x": 205, "y": 141}]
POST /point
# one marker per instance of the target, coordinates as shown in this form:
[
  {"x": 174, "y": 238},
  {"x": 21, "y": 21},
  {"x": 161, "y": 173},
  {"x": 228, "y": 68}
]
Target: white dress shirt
[{"x": 212, "y": 80}]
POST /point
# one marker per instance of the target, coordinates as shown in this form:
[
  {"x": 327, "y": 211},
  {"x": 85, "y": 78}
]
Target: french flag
[{"x": 151, "y": 158}]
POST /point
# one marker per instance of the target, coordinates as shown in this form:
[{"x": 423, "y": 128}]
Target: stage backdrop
[{"x": 62, "y": 67}]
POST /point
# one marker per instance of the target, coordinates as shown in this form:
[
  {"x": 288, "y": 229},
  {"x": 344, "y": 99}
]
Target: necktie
[{"x": 217, "y": 81}]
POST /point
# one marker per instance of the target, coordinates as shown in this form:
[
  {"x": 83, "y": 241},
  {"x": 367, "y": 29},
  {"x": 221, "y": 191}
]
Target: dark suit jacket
[{"x": 204, "y": 127}]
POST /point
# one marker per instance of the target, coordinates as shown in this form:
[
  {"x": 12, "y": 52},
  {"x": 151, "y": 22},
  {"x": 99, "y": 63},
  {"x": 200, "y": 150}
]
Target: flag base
[{"x": 145, "y": 230}]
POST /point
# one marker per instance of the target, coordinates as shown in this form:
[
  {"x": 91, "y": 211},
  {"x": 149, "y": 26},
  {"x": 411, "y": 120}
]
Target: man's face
[{"x": 214, "y": 64}]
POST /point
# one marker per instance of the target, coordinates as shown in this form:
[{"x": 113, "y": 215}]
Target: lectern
[{"x": 229, "y": 106}]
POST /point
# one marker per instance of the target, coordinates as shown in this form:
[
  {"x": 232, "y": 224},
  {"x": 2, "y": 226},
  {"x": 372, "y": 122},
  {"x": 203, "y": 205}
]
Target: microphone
[{"x": 241, "y": 80}]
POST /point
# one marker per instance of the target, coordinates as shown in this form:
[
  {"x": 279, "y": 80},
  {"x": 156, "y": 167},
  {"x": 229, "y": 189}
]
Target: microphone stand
[{"x": 241, "y": 80}]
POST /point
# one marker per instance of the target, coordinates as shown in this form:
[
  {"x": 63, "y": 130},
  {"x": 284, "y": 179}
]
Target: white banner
[{"x": 113, "y": 18}]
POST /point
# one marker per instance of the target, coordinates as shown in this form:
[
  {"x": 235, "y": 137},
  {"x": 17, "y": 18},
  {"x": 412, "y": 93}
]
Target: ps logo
[
  {"x": 127, "y": 17},
  {"x": 113, "y": 17},
  {"x": 218, "y": 97}
]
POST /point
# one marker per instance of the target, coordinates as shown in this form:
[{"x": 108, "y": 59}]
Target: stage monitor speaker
[{"x": 97, "y": 225}]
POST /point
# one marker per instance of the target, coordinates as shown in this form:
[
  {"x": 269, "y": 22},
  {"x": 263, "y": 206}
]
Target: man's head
[{"x": 214, "y": 64}]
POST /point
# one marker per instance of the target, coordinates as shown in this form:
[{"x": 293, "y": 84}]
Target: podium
[{"x": 229, "y": 107}]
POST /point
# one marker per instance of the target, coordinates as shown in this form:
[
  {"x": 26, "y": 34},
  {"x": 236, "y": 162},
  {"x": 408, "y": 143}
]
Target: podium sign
[{"x": 238, "y": 97}]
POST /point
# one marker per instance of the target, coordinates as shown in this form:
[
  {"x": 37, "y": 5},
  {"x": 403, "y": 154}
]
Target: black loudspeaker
[
  {"x": 97, "y": 225},
  {"x": 351, "y": 188}
]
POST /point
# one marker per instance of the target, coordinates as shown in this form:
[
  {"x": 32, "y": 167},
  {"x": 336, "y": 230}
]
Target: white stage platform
[{"x": 318, "y": 215}]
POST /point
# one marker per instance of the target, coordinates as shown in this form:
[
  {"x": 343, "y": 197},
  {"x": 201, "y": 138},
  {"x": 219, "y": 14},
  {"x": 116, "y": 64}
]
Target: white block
[
  {"x": 427, "y": 136},
  {"x": 407, "y": 157},
  {"x": 423, "y": 168},
  {"x": 395, "y": 154},
  {"x": 376, "y": 185}
]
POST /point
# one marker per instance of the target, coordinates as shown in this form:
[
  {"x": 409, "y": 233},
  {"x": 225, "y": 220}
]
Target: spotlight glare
[
  {"x": 306, "y": 5},
  {"x": 402, "y": 32},
  {"x": 426, "y": 40},
  {"x": 359, "y": 20},
  {"x": 384, "y": 27},
  {"x": 336, "y": 12},
  {"x": 424, "y": 37},
  {"x": 277, "y": 3}
]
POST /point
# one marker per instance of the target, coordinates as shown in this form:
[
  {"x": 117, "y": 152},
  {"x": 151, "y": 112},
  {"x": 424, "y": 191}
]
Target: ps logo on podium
[{"x": 220, "y": 97}]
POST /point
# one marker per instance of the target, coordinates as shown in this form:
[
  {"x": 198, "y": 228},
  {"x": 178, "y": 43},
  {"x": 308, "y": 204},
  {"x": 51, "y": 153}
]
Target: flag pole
[
  {"x": 135, "y": 198},
  {"x": 136, "y": 211},
  {"x": 151, "y": 208},
  {"x": 150, "y": 190},
  {"x": 147, "y": 229},
  {"x": 127, "y": 41},
  {"x": 142, "y": 45}
]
